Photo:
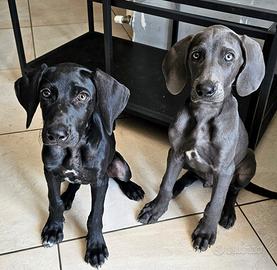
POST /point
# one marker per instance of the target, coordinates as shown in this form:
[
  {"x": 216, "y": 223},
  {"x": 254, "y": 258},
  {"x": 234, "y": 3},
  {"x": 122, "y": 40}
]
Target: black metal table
[{"x": 138, "y": 66}]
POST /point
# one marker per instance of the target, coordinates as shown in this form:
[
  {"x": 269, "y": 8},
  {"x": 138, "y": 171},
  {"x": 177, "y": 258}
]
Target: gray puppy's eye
[
  {"x": 83, "y": 96},
  {"x": 195, "y": 55},
  {"x": 229, "y": 57},
  {"x": 45, "y": 92}
]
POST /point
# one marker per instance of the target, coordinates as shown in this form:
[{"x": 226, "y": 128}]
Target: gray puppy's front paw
[
  {"x": 204, "y": 236},
  {"x": 152, "y": 211}
]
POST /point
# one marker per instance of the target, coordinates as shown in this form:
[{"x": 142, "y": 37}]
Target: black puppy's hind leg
[
  {"x": 69, "y": 195},
  {"x": 120, "y": 171},
  {"x": 243, "y": 175},
  {"x": 185, "y": 181}
]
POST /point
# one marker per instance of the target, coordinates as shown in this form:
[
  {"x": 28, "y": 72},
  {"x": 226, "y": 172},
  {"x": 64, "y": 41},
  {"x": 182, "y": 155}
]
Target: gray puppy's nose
[
  {"x": 57, "y": 134},
  {"x": 205, "y": 89}
]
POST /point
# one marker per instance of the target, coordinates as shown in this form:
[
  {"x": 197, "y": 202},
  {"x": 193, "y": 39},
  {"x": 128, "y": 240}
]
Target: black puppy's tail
[{"x": 261, "y": 191}]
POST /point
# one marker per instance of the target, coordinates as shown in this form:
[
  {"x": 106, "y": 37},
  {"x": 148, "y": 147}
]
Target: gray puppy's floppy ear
[
  {"x": 253, "y": 72},
  {"x": 174, "y": 66},
  {"x": 112, "y": 98},
  {"x": 27, "y": 92}
]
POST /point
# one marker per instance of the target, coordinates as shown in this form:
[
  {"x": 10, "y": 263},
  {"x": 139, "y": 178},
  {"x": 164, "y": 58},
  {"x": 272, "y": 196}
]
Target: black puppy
[{"x": 79, "y": 108}]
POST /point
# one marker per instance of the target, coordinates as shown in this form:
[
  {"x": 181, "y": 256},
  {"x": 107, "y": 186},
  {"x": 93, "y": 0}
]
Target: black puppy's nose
[
  {"x": 59, "y": 134},
  {"x": 205, "y": 89}
]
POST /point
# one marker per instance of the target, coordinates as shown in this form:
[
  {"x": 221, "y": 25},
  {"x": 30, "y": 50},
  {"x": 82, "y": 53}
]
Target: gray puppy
[{"x": 208, "y": 137}]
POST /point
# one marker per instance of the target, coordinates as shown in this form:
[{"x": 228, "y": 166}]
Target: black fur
[{"x": 79, "y": 108}]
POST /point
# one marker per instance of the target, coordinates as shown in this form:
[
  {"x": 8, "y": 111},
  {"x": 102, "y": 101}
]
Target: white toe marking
[{"x": 48, "y": 244}]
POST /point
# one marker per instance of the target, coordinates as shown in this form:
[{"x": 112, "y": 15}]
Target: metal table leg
[
  {"x": 90, "y": 16},
  {"x": 17, "y": 34},
  {"x": 108, "y": 35}
]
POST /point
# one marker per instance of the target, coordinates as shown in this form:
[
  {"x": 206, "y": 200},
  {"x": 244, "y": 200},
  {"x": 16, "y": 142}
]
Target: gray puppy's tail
[{"x": 261, "y": 191}]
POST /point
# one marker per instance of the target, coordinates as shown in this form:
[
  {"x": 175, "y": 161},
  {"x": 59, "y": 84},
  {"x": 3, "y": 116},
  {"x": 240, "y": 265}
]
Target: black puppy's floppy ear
[
  {"x": 174, "y": 66},
  {"x": 112, "y": 98},
  {"x": 26, "y": 89},
  {"x": 253, "y": 72}
]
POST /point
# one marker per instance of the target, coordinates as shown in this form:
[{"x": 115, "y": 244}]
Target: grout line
[
  {"x": 21, "y": 131},
  {"x": 32, "y": 30},
  {"x": 135, "y": 226},
  {"x": 20, "y": 250},
  {"x": 247, "y": 203},
  {"x": 59, "y": 254},
  {"x": 44, "y": 25},
  {"x": 108, "y": 232},
  {"x": 257, "y": 235}
]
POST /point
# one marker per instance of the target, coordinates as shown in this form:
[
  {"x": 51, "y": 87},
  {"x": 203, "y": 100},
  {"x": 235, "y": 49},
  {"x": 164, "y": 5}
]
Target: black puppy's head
[{"x": 69, "y": 94}]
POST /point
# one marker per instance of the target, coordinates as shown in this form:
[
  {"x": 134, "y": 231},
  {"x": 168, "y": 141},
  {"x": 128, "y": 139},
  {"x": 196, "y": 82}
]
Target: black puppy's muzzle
[
  {"x": 205, "y": 89},
  {"x": 57, "y": 134}
]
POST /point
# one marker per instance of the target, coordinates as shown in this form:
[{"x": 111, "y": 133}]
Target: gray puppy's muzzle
[{"x": 207, "y": 91}]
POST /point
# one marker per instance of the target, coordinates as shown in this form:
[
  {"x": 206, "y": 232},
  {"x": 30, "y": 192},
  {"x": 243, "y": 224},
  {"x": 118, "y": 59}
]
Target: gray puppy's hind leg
[
  {"x": 185, "y": 181},
  {"x": 120, "y": 171},
  {"x": 243, "y": 175}
]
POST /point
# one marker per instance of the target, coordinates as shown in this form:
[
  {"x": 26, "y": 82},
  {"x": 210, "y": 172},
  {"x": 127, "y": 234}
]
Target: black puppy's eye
[
  {"x": 195, "y": 55},
  {"x": 46, "y": 92},
  {"x": 229, "y": 57},
  {"x": 83, "y": 96}
]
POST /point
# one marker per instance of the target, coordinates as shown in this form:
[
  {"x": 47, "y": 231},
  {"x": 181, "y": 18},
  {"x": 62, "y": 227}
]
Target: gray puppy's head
[{"x": 209, "y": 62}]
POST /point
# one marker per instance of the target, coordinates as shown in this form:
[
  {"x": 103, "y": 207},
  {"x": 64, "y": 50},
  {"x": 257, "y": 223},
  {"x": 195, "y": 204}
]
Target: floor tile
[
  {"x": 12, "y": 114},
  {"x": 23, "y": 14},
  {"x": 263, "y": 218},
  {"x": 50, "y": 37},
  {"x": 145, "y": 149},
  {"x": 58, "y": 12},
  {"x": 266, "y": 155},
  {"x": 25, "y": 191},
  {"x": 167, "y": 246},
  {"x": 8, "y": 55},
  {"x": 33, "y": 259},
  {"x": 23, "y": 195}
]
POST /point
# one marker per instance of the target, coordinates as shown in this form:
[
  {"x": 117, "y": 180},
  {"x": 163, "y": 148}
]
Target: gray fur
[{"x": 208, "y": 137}]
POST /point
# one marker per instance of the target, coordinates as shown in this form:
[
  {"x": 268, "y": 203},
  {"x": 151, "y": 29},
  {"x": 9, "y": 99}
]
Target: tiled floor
[{"x": 251, "y": 244}]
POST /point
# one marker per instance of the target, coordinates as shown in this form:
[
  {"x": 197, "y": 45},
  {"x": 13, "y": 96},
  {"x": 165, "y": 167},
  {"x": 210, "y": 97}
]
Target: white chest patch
[
  {"x": 71, "y": 179},
  {"x": 76, "y": 181},
  {"x": 71, "y": 171},
  {"x": 192, "y": 154}
]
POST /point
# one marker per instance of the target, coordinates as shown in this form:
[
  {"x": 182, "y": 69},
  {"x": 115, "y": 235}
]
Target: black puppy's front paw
[
  {"x": 96, "y": 253},
  {"x": 203, "y": 236},
  {"x": 152, "y": 211},
  {"x": 52, "y": 233},
  {"x": 228, "y": 217}
]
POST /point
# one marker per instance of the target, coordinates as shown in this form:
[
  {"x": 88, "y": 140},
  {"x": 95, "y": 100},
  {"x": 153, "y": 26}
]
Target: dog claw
[
  {"x": 203, "y": 237},
  {"x": 151, "y": 212},
  {"x": 96, "y": 254},
  {"x": 52, "y": 233}
]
